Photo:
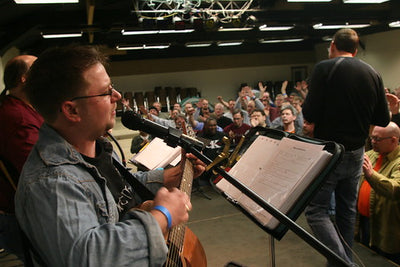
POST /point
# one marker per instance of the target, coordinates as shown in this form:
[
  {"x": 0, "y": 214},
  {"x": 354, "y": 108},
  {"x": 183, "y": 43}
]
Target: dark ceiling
[{"x": 101, "y": 22}]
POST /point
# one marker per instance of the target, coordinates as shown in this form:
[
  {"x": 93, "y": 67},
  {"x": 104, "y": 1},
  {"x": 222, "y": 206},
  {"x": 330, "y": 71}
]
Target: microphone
[{"x": 171, "y": 136}]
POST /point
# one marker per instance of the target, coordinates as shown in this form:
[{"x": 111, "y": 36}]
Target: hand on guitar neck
[{"x": 176, "y": 201}]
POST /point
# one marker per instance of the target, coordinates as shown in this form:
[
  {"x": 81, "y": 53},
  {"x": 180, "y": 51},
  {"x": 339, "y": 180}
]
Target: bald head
[
  {"x": 16, "y": 70},
  {"x": 390, "y": 130},
  {"x": 385, "y": 139}
]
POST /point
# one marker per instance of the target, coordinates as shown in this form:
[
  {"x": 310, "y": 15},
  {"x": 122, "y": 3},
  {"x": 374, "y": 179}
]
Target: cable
[
  {"x": 119, "y": 148},
  {"x": 347, "y": 245}
]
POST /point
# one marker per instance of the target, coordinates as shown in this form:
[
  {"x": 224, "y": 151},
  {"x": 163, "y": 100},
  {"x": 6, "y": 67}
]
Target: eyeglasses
[
  {"x": 378, "y": 139},
  {"x": 109, "y": 92}
]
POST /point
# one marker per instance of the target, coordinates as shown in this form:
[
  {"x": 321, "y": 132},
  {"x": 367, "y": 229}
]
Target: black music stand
[{"x": 286, "y": 220}]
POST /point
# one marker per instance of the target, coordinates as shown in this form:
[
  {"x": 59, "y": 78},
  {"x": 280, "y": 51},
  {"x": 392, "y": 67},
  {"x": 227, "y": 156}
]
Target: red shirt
[
  {"x": 20, "y": 125},
  {"x": 238, "y": 131},
  {"x": 19, "y": 131}
]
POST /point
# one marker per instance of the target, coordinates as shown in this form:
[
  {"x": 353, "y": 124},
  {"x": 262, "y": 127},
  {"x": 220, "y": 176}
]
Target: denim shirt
[{"x": 66, "y": 210}]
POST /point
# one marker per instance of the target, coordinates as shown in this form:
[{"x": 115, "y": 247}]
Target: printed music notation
[{"x": 278, "y": 171}]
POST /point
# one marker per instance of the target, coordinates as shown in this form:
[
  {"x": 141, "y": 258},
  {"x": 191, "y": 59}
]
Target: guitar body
[
  {"x": 192, "y": 255},
  {"x": 193, "y": 252}
]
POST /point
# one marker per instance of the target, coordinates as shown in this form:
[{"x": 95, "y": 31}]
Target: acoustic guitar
[{"x": 184, "y": 248}]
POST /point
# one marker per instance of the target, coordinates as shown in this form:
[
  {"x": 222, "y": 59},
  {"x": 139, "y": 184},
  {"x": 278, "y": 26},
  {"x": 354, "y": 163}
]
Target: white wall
[
  {"x": 211, "y": 83},
  {"x": 12, "y": 52},
  {"x": 382, "y": 51}
]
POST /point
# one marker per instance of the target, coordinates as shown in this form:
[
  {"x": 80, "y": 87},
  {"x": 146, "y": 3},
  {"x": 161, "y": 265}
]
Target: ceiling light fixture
[
  {"x": 327, "y": 38},
  {"x": 198, "y": 44},
  {"x": 124, "y": 32},
  {"x": 61, "y": 35},
  {"x": 307, "y": 1},
  {"x": 141, "y": 47},
  {"x": 221, "y": 29},
  {"x": 275, "y": 28},
  {"x": 320, "y": 26},
  {"x": 177, "y": 31},
  {"x": 230, "y": 43},
  {"x": 273, "y": 41},
  {"x": 394, "y": 24},
  {"x": 46, "y": 1},
  {"x": 364, "y": 1}
]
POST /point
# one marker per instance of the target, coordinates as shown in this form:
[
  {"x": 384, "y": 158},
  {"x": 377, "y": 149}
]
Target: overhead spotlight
[
  {"x": 251, "y": 20},
  {"x": 211, "y": 23},
  {"x": 236, "y": 22}
]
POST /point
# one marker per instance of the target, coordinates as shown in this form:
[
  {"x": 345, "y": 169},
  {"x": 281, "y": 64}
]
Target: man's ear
[{"x": 71, "y": 111}]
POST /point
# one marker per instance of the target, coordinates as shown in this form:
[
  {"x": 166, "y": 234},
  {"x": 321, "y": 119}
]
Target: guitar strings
[{"x": 177, "y": 234}]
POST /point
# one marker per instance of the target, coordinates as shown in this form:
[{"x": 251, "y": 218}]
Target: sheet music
[
  {"x": 157, "y": 154},
  {"x": 258, "y": 153},
  {"x": 278, "y": 171}
]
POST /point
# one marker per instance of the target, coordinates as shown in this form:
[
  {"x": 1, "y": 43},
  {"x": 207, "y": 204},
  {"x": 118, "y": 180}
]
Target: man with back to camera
[
  {"x": 72, "y": 203},
  {"x": 345, "y": 97}
]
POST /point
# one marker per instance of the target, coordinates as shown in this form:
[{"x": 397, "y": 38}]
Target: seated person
[
  {"x": 258, "y": 118},
  {"x": 288, "y": 117},
  {"x": 72, "y": 203},
  {"x": 222, "y": 121},
  {"x": 139, "y": 141},
  {"x": 197, "y": 125},
  {"x": 237, "y": 129}
]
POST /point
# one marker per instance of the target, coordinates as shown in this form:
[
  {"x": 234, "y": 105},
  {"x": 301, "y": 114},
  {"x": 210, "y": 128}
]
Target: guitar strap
[{"x": 139, "y": 188}]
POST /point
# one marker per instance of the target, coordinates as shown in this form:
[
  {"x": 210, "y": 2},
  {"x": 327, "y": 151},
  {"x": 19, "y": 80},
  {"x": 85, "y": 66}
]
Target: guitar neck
[
  {"x": 176, "y": 235},
  {"x": 187, "y": 178}
]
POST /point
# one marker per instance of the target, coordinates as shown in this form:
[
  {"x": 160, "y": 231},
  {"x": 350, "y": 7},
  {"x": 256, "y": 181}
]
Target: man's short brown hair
[
  {"x": 57, "y": 76},
  {"x": 346, "y": 40}
]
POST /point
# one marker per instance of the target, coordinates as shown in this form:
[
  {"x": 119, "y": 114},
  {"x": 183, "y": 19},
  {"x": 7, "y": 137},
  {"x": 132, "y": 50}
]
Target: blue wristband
[{"x": 165, "y": 211}]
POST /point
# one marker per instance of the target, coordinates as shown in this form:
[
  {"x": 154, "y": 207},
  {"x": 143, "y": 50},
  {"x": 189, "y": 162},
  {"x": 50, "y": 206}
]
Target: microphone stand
[{"x": 174, "y": 138}]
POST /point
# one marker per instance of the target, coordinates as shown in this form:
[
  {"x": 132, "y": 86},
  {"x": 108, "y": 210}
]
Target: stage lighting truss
[{"x": 188, "y": 10}]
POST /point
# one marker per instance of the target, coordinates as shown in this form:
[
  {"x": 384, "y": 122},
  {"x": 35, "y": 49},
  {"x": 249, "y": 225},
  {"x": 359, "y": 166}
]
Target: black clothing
[
  {"x": 344, "y": 106},
  {"x": 122, "y": 192},
  {"x": 396, "y": 119},
  {"x": 223, "y": 121},
  {"x": 212, "y": 149}
]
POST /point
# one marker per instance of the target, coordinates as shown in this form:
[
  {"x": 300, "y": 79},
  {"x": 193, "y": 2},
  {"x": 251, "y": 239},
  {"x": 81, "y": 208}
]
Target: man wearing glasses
[
  {"x": 73, "y": 204},
  {"x": 378, "y": 200}
]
